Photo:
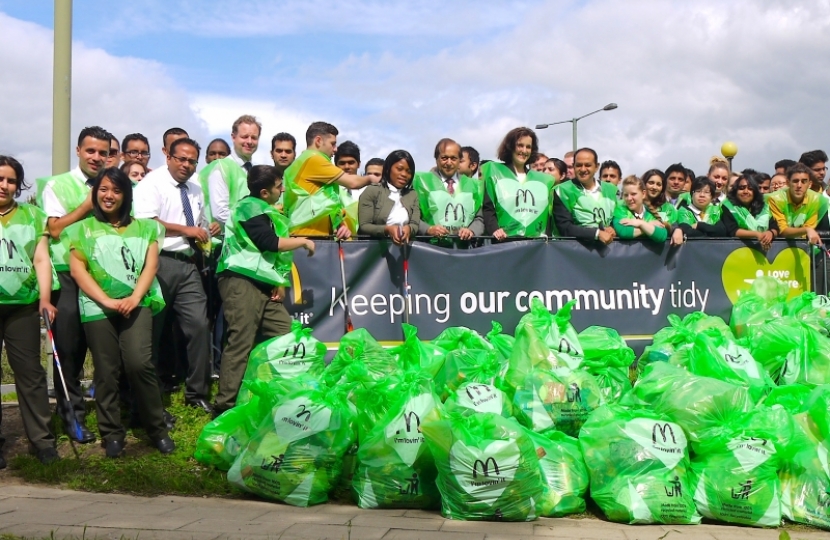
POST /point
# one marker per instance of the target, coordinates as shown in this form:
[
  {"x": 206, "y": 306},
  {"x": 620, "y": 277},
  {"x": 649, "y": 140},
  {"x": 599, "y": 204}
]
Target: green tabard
[
  {"x": 585, "y": 209},
  {"x": 747, "y": 221},
  {"x": 522, "y": 208},
  {"x": 71, "y": 193},
  {"x": 115, "y": 259},
  {"x": 711, "y": 216},
  {"x": 18, "y": 239},
  {"x": 302, "y": 207},
  {"x": 438, "y": 207},
  {"x": 239, "y": 253},
  {"x": 812, "y": 204}
]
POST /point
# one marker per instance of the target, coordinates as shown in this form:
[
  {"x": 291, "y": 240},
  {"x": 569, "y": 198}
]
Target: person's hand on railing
[
  {"x": 343, "y": 232},
  {"x": 499, "y": 235}
]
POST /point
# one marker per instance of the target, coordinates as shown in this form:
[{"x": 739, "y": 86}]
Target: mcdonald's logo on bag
[
  {"x": 663, "y": 430},
  {"x": 524, "y": 194},
  {"x": 455, "y": 209},
  {"x": 485, "y": 467}
]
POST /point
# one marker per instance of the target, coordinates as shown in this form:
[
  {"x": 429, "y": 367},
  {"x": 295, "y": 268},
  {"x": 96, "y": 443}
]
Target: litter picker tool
[
  {"x": 347, "y": 312},
  {"x": 405, "y": 250},
  {"x": 75, "y": 424}
]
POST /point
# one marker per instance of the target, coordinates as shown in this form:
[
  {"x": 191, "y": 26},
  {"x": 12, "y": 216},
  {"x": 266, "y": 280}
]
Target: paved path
[{"x": 35, "y": 512}]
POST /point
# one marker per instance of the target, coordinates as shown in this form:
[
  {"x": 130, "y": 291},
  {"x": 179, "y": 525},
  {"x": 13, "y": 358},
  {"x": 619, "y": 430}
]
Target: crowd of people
[{"x": 169, "y": 276}]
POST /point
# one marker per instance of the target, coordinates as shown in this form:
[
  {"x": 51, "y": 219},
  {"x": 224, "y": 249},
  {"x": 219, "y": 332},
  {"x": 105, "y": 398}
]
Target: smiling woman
[{"x": 390, "y": 208}]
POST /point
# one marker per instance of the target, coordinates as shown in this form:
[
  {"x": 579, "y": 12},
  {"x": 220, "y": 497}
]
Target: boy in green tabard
[
  {"x": 312, "y": 198},
  {"x": 253, "y": 269},
  {"x": 584, "y": 207},
  {"x": 450, "y": 202},
  {"x": 66, "y": 199}
]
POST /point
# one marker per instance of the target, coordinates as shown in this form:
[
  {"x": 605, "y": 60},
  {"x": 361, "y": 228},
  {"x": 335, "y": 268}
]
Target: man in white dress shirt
[
  {"x": 227, "y": 179},
  {"x": 174, "y": 199}
]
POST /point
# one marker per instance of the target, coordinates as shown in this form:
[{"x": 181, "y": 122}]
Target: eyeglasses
[
  {"x": 183, "y": 160},
  {"x": 702, "y": 191},
  {"x": 136, "y": 153}
]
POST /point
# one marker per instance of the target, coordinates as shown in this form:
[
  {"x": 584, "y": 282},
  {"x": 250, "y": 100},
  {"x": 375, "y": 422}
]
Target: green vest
[
  {"x": 522, "y": 208},
  {"x": 585, "y": 209},
  {"x": 240, "y": 255},
  {"x": 18, "y": 240},
  {"x": 71, "y": 193},
  {"x": 796, "y": 218},
  {"x": 683, "y": 197},
  {"x": 115, "y": 260},
  {"x": 350, "y": 205},
  {"x": 626, "y": 233},
  {"x": 438, "y": 207},
  {"x": 235, "y": 177},
  {"x": 302, "y": 207},
  {"x": 712, "y": 215},
  {"x": 747, "y": 221},
  {"x": 667, "y": 213}
]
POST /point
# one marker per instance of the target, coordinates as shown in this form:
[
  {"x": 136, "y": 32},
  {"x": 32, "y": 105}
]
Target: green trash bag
[
  {"x": 792, "y": 397},
  {"x": 811, "y": 309},
  {"x": 416, "y": 354},
  {"x": 818, "y": 407},
  {"x": 503, "y": 343},
  {"x": 805, "y": 478},
  {"x": 608, "y": 358},
  {"x": 285, "y": 357},
  {"x": 530, "y": 352},
  {"x": 772, "y": 342},
  {"x": 679, "y": 336},
  {"x": 556, "y": 331},
  {"x": 395, "y": 468},
  {"x": 474, "y": 397},
  {"x": 703, "y": 406},
  {"x": 560, "y": 399},
  {"x": 735, "y": 476},
  {"x": 638, "y": 463},
  {"x": 726, "y": 360},
  {"x": 469, "y": 365},
  {"x": 296, "y": 454},
  {"x": 224, "y": 437},
  {"x": 360, "y": 347},
  {"x": 763, "y": 302},
  {"x": 809, "y": 362},
  {"x": 487, "y": 467},
  {"x": 564, "y": 473}
]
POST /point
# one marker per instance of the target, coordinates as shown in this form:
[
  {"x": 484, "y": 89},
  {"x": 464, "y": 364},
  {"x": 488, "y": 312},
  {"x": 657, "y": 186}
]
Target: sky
[{"x": 687, "y": 76}]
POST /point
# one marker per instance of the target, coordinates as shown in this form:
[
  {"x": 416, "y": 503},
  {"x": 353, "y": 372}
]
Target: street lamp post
[
  {"x": 573, "y": 121},
  {"x": 729, "y": 151}
]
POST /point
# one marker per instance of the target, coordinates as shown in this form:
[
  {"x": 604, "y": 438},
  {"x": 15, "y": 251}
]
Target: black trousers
[{"x": 70, "y": 341}]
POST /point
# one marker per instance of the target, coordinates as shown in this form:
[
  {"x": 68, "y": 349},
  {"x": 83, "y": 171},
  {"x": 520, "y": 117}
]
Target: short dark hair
[
  {"x": 800, "y": 168},
  {"x": 187, "y": 141},
  {"x": 690, "y": 174},
  {"x": 172, "y": 131},
  {"x": 96, "y": 132},
  {"x": 560, "y": 165},
  {"x": 610, "y": 164},
  {"x": 318, "y": 129},
  {"x": 590, "y": 150},
  {"x": 122, "y": 182},
  {"x": 114, "y": 138},
  {"x": 283, "y": 136},
  {"x": 472, "y": 154},
  {"x": 18, "y": 172},
  {"x": 393, "y": 158},
  {"x": 676, "y": 168},
  {"x": 220, "y": 140},
  {"x": 784, "y": 164},
  {"x": 347, "y": 148},
  {"x": 263, "y": 177},
  {"x": 753, "y": 179},
  {"x": 373, "y": 161},
  {"x": 134, "y": 137},
  {"x": 442, "y": 144},
  {"x": 704, "y": 181},
  {"x": 508, "y": 144},
  {"x": 812, "y": 157},
  {"x": 660, "y": 200}
]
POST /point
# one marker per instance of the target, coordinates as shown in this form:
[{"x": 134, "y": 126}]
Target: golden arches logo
[{"x": 296, "y": 285}]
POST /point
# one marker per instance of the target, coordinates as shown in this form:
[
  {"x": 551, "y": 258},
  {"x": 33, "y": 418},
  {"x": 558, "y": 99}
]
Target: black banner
[{"x": 629, "y": 286}]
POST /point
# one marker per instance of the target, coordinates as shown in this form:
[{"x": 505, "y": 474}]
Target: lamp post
[
  {"x": 729, "y": 151},
  {"x": 573, "y": 121},
  {"x": 62, "y": 87}
]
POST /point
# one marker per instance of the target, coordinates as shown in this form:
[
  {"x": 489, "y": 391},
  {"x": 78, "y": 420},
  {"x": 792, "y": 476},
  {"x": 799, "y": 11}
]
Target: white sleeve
[
  {"x": 51, "y": 205},
  {"x": 146, "y": 201},
  {"x": 219, "y": 196}
]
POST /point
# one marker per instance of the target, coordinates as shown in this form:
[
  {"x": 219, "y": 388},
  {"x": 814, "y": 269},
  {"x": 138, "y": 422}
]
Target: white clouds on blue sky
[{"x": 687, "y": 75}]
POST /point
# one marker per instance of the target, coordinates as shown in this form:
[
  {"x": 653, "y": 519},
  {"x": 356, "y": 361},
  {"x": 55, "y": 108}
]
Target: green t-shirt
[
  {"x": 115, "y": 259},
  {"x": 438, "y": 207},
  {"x": 240, "y": 255},
  {"x": 20, "y": 233},
  {"x": 626, "y": 232},
  {"x": 746, "y": 220},
  {"x": 587, "y": 210},
  {"x": 522, "y": 208},
  {"x": 71, "y": 193}
]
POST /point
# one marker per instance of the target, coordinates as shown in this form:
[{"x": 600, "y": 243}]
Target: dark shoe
[
  {"x": 217, "y": 411},
  {"x": 169, "y": 420},
  {"x": 199, "y": 403},
  {"x": 48, "y": 455},
  {"x": 165, "y": 445},
  {"x": 2, "y": 462},
  {"x": 84, "y": 435},
  {"x": 115, "y": 449}
]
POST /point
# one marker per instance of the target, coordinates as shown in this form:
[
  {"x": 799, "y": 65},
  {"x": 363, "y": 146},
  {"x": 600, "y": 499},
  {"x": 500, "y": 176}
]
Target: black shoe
[
  {"x": 169, "y": 420},
  {"x": 115, "y": 449},
  {"x": 47, "y": 455},
  {"x": 218, "y": 411},
  {"x": 199, "y": 403},
  {"x": 165, "y": 445},
  {"x": 2, "y": 462},
  {"x": 84, "y": 437}
]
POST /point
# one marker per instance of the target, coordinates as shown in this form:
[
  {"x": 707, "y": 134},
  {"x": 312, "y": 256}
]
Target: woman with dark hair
[
  {"x": 135, "y": 171},
  {"x": 114, "y": 259},
  {"x": 25, "y": 291},
  {"x": 699, "y": 216},
  {"x": 745, "y": 213},
  {"x": 655, "y": 183},
  {"x": 390, "y": 209},
  {"x": 516, "y": 199},
  {"x": 634, "y": 218},
  {"x": 556, "y": 168}
]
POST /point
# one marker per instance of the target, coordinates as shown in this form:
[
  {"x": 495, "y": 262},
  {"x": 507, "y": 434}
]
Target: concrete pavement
[{"x": 37, "y": 512}]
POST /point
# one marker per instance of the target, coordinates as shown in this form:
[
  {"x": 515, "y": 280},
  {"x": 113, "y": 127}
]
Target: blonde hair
[
  {"x": 245, "y": 119},
  {"x": 634, "y": 180}
]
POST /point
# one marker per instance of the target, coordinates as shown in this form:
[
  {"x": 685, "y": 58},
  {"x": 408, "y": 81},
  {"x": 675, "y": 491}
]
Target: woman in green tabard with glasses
[
  {"x": 699, "y": 217},
  {"x": 517, "y": 200},
  {"x": 114, "y": 258},
  {"x": 745, "y": 213},
  {"x": 25, "y": 291}
]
